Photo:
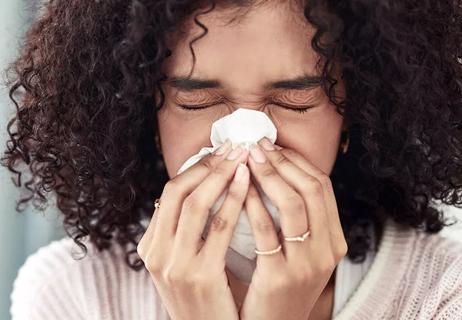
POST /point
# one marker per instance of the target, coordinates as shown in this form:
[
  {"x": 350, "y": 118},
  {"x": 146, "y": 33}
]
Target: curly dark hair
[{"x": 89, "y": 72}]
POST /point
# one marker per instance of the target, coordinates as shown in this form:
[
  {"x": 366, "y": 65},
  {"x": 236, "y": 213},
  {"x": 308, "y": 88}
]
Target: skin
[
  {"x": 189, "y": 273},
  {"x": 238, "y": 56},
  {"x": 269, "y": 45}
]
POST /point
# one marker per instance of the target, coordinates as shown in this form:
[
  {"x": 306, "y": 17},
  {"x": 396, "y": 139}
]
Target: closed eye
[{"x": 299, "y": 109}]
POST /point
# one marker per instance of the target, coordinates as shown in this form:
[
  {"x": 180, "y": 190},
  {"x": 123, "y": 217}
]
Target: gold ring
[
  {"x": 157, "y": 203},
  {"x": 269, "y": 251},
  {"x": 298, "y": 238}
]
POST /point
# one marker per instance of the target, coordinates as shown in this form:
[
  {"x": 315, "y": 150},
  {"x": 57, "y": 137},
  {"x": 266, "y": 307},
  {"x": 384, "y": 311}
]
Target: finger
[
  {"x": 224, "y": 221},
  {"x": 329, "y": 195},
  {"x": 196, "y": 206},
  {"x": 263, "y": 228},
  {"x": 162, "y": 226},
  {"x": 291, "y": 206},
  {"x": 148, "y": 235},
  {"x": 179, "y": 187},
  {"x": 308, "y": 186}
]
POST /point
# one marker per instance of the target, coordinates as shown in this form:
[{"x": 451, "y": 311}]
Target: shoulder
[
  {"x": 437, "y": 252},
  {"x": 416, "y": 248},
  {"x": 434, "y": 277},
  {"x": 57, "y": 280},
  {"x": 39, "y": 270}
]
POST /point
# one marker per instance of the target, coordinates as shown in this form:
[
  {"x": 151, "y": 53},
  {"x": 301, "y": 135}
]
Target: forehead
[{"x": 271, "y": 42}]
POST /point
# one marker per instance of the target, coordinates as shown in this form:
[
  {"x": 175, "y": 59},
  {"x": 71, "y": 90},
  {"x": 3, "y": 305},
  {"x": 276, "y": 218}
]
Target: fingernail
[
  {"x": 234, "y": 154},
  {"x": 256, "y": 154},
  {"x": 223, "y": 148},
  {"x": 277, "y": 147},
  {"x": 266, "y": 144},
  {"x": 241, "y": 172}
]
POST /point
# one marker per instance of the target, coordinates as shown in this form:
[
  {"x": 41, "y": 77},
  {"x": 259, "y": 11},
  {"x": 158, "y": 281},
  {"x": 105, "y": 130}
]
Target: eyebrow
[{"x": 298, "y": 83}]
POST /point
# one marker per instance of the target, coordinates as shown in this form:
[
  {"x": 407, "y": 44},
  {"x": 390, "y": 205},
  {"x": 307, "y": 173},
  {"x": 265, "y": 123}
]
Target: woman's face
[{"x": 244, "y": 65}]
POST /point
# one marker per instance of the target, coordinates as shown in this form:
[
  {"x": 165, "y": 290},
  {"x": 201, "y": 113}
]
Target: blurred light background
[
  {"x": 20, "y": 233},
  {"x": 23, "y": 233}
]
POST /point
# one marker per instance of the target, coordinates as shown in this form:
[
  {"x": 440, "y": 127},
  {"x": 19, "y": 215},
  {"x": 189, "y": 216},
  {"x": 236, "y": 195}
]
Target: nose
[
  {"x": 244, "y": 125},
  {"x": 255, "y": 106}
]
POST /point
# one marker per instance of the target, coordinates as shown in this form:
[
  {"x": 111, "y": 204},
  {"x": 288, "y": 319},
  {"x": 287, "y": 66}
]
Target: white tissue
[{"x": 243, "y": 127}]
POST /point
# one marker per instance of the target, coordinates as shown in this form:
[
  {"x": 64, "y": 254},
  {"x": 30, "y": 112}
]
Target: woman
[{"x": 116, "y": 95}]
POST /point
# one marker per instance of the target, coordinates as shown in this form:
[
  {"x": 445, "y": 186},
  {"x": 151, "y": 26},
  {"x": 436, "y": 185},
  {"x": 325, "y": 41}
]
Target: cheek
[
  {"x": 317, "y": 140},
  {"x": 181, "y": 138}
]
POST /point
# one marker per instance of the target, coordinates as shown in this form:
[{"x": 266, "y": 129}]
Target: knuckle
[
  {"x": 342, "y": 250},
  {"x": 325, "y": 181},
  {"x": 200, "y": 279},
  {"x": 281, "y": 160},
  {"x": 279, "y": 284},
  {"x": 154, "y": 266},
  {"x": 294, "y": 203},
  {"x": 207, "y": 163},
  {"x": 306, "y": 275},
  {"x": 175, "y": 274},
  {"x": 268, "y": 172},
  {"x": 218, "y": 224},
  {"x": 301, "y": 277},
  {"x": 220, "y": 170},
  {"x": 314, "y": 186},
  {"x": 252, "y": 193},
  {"x": 327, "y": 266},
  {"x": 234, "y": 195},
  {"x": 171, "y": 188},
  {"x": 140, "y": 250},
  {"x": 179, "y": 278},
  {"x": 193, "y": 203},
  {"x": 172, "y": 277},
  {"x": 289, "y": 152},
  {"x": 264, "y": 226}
]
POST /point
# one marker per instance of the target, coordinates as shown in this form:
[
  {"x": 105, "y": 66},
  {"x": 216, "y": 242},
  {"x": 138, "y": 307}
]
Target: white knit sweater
[{"x": 412, "y": 276}]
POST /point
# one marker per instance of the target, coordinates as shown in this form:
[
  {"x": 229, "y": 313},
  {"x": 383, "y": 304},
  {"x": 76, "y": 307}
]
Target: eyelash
[{"x": 200, "y": 107}]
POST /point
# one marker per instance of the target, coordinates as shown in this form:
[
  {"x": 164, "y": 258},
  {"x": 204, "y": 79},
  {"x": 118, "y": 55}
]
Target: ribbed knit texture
[{"x": 414, "y": 275}]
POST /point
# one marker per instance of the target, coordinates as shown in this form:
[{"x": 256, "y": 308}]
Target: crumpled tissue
[{"x": 243, "y": 127}]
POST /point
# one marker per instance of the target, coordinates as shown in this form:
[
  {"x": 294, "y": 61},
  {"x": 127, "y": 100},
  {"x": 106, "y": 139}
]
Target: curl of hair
[{"x": 89, "y": 72}]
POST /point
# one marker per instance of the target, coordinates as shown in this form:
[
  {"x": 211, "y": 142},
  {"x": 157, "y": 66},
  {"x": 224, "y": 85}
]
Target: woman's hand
[
  {"x": 189, "y": 273},
  {"x": 287, "y": 284}
]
